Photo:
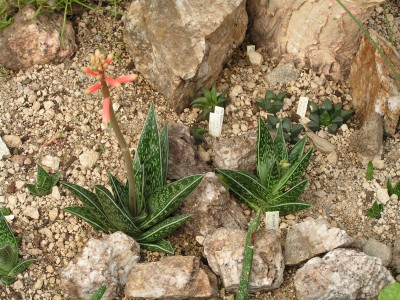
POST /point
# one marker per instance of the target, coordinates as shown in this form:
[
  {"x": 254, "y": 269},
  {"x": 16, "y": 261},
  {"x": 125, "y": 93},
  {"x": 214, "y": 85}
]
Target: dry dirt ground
[{"x": 44, "y": 101}]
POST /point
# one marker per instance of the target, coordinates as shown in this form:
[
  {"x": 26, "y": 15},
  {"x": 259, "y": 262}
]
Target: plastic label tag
[
  {"x": 302, "y": 107},
  {"x": 272, "y": 220},
  {"x": 215, "y": 121}
]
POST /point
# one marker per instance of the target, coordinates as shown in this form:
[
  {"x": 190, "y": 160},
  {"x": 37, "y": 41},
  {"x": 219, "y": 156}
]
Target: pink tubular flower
[
  {"x": 93, "y": 88},
  {"x": 106, "y": 110},
  {"x": 126, "y": 78}
]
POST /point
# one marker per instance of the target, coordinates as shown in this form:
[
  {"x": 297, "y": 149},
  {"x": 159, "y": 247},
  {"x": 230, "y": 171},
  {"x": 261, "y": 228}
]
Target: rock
[
  {"x": 320, "y": 143},
  {"x": 224, "y": 252},
  {"x": 341, "y": 273},
  {"x": 374, "y": 89},
  {"x": 12, "y": 141},
  {"x": 51, "y": 162},
  {"x": 378, "y": 164},
  {"x": 308, "y": 239},
  {"x": 283, "y": 74},
  {"x": 375, "y": 248},
  {"x": 182, "y": 159},
  {"x": 31, "y": 212},
  {"x": 108, "y": 261},
  {"x": 307, "y": 33},
  {"x": 382, "y": 195},
  {"x": 396, "y": 255},
  {"x": 175, "y": 277},
  {"x": 89, "y": 158},
  {"x": 182, "y": 46},
  {"x": 236, "y": 91},
  {"x": 369, "y": 139},
  {"x": 55, "y": 193},
  {"x": 53, "y": 214},
  {"x": 4, "y": 151},
  {"x": 255, "y": 58},
  {"x": 235, "y": 153},
  {"x": 35, "y": 39},
  {"x": 211, "y": 207},
  {"x": 332, "y": 157}
]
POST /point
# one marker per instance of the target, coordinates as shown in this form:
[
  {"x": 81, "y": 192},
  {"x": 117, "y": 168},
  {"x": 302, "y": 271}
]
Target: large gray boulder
[
  {"x": 35, "y": 39},
  {"x": 180, "y": 46}
]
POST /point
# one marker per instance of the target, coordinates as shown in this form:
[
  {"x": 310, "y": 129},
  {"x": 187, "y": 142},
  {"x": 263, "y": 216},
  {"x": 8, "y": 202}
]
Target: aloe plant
[
  {"x": 272, "y": 102},
  {"x": 10, "y": 265},
  {"x": 277, "y": 185},
  {"x": 156, "y": 200},
  {"x": 328, "y": 114},
  {"x": 208, "y": 102},
  {"x": 44, "y": 182},
  {"x": 291, "y": 132}
]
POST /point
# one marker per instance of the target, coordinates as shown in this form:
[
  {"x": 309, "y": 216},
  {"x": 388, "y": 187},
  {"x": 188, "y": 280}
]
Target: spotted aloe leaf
[
  {"x": 139, "y": 174},
  {"x": 44, "y": 182},
  {"x": 163, "y": 229},
  {"x": 116, "y": 215},
  {"x": 120, "y": 192},
  {"x": 86, "y": 214},
  {"x": 160, "y": 246},
  {"x": 91, "y": 202},
  {"x": 279, "y": 145},
  {"x": 166, "y": 200},
  {"x": 265, "y": 153},
  {"x": 21, "y": 266},
  {"x": 99, "y": 293},
  {"x": 7, "y": 259},
  {"x": 164, "y": 144},
  {"x": 150, "y": 154}
]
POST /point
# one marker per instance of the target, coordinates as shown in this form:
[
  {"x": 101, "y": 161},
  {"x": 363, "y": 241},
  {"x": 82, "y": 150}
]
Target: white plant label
[
  {"x": 215, "y": 121},
  {"x": 272, "y": 220},
  {"x": 251, "y": 48},
  {"x": 302, "y": 107}
]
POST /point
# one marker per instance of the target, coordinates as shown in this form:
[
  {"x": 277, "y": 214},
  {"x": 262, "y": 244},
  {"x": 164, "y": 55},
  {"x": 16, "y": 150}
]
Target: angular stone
[
  {"x": 396, "y": 255},
  {"x": 108, "y": 261},
  {"x": 181, "y": 46},
  {"x": 307, "y": 239},
  {"x": 35, "y": 39},
  {"x": 211, "y": 207},
  {"x": 182, "y": 159},
  {"x": 12, "y": 141},
  {"x": 89, "y": 158},
  {"x": 4, "y": 151},
  {"x": 175, "y": 277},
  {"x": 224, "y": 251},
  {"x": 51, "y": 162},
  {"x": 320, "y": 143},
  {"x": 283, "y": 74},
  {"x": 307, "y": 33},
  {"x": 368, "y": 140},
  {"x": 341, "y": 273},
  {"x": 375, "y": 248},
  {"x": 374, "y": 88},
  {"x": 235, "y": 153}
]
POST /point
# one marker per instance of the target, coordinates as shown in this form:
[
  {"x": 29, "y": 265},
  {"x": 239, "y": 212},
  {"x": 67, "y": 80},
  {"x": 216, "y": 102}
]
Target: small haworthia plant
[
  {"x": 393, "y": 189},
  {"x": 243, "y": 289},
  {"x": 375, "y": 210},
  {"x": 10, "y": 265},
  {"x": 370, "y": 172},
  {"x": 271, "y": 103},
  {"x": 44, "y": 182},
  {"x": 328, "y": 114},
  {"x": 291, "y": 132},
  {"x": 278, "y": 183},
  {"x": 143, "y": 206},
  {"x": 208, "y": 102}
]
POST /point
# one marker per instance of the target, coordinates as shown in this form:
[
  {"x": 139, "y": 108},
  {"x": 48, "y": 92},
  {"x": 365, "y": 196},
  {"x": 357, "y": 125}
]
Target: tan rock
[
  {"x": 181, "y": 46},
  {"x": 373, "y": 86},
  {"x": 307, "y": 33},
  {"x": 35, "y": 39}
]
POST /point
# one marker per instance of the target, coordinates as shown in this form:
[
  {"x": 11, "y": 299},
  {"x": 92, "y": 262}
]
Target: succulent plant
[
  {"x": 291, "y": 131},
  {"x": 156, "y": 201},
  {"x": 208, "y": 102},
  {"x": 375, "y": 210},
  {"x": 278, "y": 183},
  {"x": 198, "y": 135},
  {"x": 271, "y": 103},
  {"x": 44, "y": 182},
  {"x": 10, "y": 266},
  {"x": 393, "y": 189},
  {"x": 328, "y": 114}
]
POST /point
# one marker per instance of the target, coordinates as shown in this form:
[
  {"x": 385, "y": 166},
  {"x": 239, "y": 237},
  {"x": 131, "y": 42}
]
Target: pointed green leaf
[
  {"x": 7, "y": 237},
  {"x": 327, "y": 105},
  {"x": 206, "y": 93},
  {"x": 116, "y": 215},
  {"x": 313, "y": 107},
  {"x": 390, "y": 187},
  {"x": 199, "y": 102},
  {"x": 99, "y": 293},
  {"x": 269, "y": 95},
  {"x": 279, "y": 145},
  {"x": 45, "y": 181},
  {"x": 120, "y": 192},
  {"x": 265, "y": 152},
  {"x": 390, "y": 292},
  {"x": 291, "y": 195},
  {"x": 85, "y": 214},
  {"x": 166, "y": 200},
  {"x": 244, "y": 185},
  {"x": 288, "y": 207},
  {"x": 375, "y": 211},
  {"x": 33, "y": 190},
  {"x": 333, "y": 128},
  {"x": 293, "y": 173},
  {"x": 281, "y": 96},
  {"x": 163, "y": 229},
  {"x": 139, "y": 175},
  {"x": 160, "y": 246},
  {"x": 164, "y": 152},
  {"x": 149, "y": 151},
  {"x": 325, "y": 118},
  {"x": 346, "y": 114},
  {"x": 7, "y": 259},
  {"x": 90, "y": 201},
  {"x": 370, "y": 172},
  {"x": 396, "y": 189},
  {"x": 7, "y": 279},
  {"x": 214, "y": 95},
  {"x": 21, "y": 266}
]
